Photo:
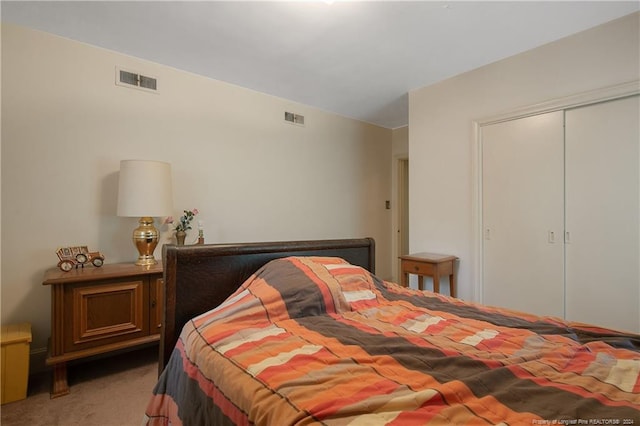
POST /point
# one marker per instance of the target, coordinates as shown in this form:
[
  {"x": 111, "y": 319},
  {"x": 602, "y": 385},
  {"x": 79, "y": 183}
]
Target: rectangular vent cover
[
  {"x": 292, "y": 118},
  {"x": 136, "y": 80}
]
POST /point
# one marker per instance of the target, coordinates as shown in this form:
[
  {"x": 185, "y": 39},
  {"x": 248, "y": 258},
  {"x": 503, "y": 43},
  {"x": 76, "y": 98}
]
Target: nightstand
[
  {"x": 100, "y": 310},
  {"x": 432, "y": 265}
]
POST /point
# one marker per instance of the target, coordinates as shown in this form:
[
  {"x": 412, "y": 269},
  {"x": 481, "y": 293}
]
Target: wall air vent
[
  {"x": 136, "y": 80},
  {"x": 292, "y": 118}
]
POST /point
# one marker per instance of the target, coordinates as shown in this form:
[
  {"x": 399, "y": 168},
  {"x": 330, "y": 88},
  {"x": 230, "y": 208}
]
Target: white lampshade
[{"x": 145, "y": 188}]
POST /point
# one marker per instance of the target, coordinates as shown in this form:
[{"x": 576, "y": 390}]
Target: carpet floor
[{"x": 111, "y": 391}]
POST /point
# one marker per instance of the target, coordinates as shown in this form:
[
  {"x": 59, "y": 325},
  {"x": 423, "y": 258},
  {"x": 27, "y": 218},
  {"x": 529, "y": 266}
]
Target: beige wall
[
  {"x": 66, "y": 126},
  {"x": 441, "y": 140}
]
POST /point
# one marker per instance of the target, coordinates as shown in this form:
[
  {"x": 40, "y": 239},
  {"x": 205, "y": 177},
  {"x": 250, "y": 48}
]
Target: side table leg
[
  {"x": 59, "y": 387},
  {"x": 452, "y": 285},
  {"x": 436, "y": 282}
]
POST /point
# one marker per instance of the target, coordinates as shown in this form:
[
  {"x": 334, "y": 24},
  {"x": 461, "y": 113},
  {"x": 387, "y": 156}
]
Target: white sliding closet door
[
  {"x": 602, "y": 214},
  {"x": 522, "y": 211}
]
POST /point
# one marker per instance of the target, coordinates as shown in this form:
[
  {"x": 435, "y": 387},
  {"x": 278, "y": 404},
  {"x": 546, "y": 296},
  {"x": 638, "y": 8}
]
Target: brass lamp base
[{"x": 145, "y": 238}]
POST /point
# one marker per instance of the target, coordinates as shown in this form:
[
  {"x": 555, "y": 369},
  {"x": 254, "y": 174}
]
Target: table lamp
[{"x": 145, "y": 191}]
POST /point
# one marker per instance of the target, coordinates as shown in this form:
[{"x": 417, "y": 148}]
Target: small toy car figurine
[{"x": 71, "y": 257}]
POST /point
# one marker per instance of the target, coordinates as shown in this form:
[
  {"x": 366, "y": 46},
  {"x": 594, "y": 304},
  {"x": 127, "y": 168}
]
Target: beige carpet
[{"x": 111, "y": 391}]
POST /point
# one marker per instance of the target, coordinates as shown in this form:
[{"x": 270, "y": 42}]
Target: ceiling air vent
[
  {"x": 292, "y": 118},
  {"x": 135, "y": 80}
]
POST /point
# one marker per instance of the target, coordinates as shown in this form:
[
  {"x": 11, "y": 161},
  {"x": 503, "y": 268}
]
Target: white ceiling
[{"x": 357, "y": 59}]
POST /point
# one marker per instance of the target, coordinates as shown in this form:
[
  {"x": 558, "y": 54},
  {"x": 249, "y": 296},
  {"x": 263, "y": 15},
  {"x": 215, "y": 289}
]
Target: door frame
[
  {"x": 400, "y": 213},
  {"x": 573, "y": 101}
]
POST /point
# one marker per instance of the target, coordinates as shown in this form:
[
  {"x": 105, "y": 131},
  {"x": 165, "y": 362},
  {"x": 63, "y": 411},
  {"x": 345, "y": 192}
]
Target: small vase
[{"x": 180, "y": 236}]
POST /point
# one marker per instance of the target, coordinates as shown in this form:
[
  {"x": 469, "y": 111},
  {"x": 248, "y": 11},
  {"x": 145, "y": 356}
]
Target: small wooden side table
[
  {"x": 431, "y": 265},
  {"x": 100, "y": 310}
]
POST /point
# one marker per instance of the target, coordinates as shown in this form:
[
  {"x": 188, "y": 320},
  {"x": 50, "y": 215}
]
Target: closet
[{"x": 560, "y": 196}]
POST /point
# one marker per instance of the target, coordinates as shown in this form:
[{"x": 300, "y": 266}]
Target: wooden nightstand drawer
[
  {"x": 106, "y": 313},
  {"x": 417, "y": 268}
]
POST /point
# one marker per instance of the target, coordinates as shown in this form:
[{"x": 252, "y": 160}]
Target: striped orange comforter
[{"x": 318, "y": 341}]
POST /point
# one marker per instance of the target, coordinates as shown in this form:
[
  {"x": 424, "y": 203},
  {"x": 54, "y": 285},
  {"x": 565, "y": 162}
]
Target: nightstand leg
[
  {"x": 59, "y": 387},
  {"x": 436, "y": 282},
  {"x": 452, "y": 285}
]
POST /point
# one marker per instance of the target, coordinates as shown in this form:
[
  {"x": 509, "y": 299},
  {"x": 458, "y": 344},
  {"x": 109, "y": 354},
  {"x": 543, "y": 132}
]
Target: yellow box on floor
[{"x": 15, "y": 340}]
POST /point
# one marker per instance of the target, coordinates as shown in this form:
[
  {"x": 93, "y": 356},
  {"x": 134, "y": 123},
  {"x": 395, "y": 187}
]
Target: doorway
[{"x": 402, "y": 217}]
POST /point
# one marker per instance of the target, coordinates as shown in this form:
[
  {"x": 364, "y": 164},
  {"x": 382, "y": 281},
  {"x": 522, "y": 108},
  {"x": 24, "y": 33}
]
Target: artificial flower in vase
[{"x": 183, "y": 224}]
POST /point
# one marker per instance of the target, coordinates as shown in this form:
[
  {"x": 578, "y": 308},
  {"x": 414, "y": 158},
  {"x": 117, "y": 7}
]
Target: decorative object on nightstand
[
  {"x": 180, "y": 237},
  {"x": 184, "y": 224},
  {"x": 144, "y": 190},
  {"x": 432, "y": 265},
  {"x": 200, "y": 233},
  {"x": 77, "y": 257}
]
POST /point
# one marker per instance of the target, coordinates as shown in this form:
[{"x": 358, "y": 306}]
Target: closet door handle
[{"x": 567, "y": 237}]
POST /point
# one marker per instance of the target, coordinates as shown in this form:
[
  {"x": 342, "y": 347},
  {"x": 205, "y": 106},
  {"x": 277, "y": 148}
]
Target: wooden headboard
[{"x": 200, "y": 277}]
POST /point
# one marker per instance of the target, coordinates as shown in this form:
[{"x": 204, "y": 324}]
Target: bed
[{"x": 306, "y": 333}]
